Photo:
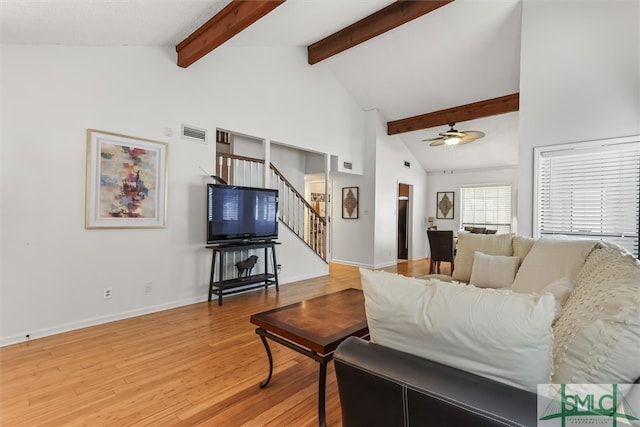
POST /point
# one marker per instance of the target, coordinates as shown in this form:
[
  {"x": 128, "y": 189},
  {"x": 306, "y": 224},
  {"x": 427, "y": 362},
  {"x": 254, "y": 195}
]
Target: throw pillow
[
  {"x": 550, "y": 259},
  {"x": 493, "y": 271},
  {"x": 560, "y": 289},
  {"x": 490, "y": 332},
  {"x": 468, "y": 244},
  {"x": 603, "y": 253},
  {"x": 597, "y": 338}
]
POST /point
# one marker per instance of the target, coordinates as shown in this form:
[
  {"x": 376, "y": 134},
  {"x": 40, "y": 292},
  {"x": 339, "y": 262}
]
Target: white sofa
[
  {"x": 567, "y": 310},
  {"x": 452, "y": 354}
]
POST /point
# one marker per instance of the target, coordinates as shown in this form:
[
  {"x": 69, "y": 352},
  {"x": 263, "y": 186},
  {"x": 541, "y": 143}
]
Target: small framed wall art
[
  {"x": 444, "y": 204},
  {"x": 126, "y": 183},
  {"x": 350, "y": 202},
  {"x": 317, "y": 201}
]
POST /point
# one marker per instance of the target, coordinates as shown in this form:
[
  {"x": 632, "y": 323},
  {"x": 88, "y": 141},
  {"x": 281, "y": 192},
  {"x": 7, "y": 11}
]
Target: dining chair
[
  {"x": 442, "y": 249},
  {"x": 476, "y": 230}
]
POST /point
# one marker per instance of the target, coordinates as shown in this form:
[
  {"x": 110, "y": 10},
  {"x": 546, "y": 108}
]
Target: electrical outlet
[
  {"x": 148, "y": 287},
  {"x": 106, "y": 293}
]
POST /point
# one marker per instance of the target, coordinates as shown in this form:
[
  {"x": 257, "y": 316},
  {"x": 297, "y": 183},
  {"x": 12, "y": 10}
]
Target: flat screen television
[{"x": 241, "y": 214}]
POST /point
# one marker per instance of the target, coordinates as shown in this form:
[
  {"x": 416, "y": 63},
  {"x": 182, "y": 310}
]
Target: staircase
[{"x": 294, "y": 211}]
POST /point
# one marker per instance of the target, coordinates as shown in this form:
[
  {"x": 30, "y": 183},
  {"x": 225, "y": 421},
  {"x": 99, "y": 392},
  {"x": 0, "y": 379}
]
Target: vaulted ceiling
[{"x": 445, "y": 61}]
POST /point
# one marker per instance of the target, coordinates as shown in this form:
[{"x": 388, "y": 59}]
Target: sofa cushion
[
  {"x": 490, "y": 332},
  {"x": 521, "y": 246},
  {"x": 468, "y": 244},
  {"x": 549, "y": 260},
  {"x": 493, "y": 271},
  {"x": 597, "y": 338}
]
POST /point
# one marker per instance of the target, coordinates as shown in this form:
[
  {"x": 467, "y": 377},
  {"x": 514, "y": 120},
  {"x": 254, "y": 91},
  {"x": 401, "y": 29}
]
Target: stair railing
[
  {"x": 240, "y": 170},
  {"x": 299, "y": 215},
  {"x": 294, "y": 211}
]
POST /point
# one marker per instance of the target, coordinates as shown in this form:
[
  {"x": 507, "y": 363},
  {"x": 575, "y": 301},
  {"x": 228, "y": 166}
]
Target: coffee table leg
[
  {"x": 322, "y": 380},
  {"x": 264, "y": 383}
]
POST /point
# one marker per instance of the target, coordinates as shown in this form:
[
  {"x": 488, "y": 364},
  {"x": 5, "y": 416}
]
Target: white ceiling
[{"x": 466, "y": 51}]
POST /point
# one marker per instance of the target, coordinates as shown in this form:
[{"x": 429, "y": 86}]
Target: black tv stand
[{"x": 223, "y": 286}]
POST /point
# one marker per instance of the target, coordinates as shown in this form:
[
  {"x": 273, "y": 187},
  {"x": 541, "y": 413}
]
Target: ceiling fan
[{"x": 454, "y": 137}]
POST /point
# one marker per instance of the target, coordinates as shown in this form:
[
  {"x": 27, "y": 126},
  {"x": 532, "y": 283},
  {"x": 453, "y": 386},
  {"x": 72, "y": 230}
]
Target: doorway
[{"x": 403, "y": 221}]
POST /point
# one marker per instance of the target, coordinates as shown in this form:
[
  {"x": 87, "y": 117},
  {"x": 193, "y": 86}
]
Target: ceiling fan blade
[
  {"x": 474, "y": 133},
  {"x": 437, "y": 143},
  {"x": 470, "y": 136},
  {"x": 438, "y": 138}
]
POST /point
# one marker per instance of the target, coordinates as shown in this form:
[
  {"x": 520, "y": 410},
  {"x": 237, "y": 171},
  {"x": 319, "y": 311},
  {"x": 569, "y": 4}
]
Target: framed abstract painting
[{"x": 126, "y": 182}]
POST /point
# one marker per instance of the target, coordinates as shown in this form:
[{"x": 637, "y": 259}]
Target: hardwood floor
[{"x": 197, "y": 365}]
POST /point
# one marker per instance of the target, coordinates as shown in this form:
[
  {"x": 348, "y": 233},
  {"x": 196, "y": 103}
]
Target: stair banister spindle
[
  {"x": 296, "y": 219},
  {"x": 300, "y": 217}
]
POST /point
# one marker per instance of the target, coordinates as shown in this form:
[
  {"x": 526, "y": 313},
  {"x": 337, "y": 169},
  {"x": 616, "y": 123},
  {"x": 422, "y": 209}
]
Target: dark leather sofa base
[{"x": 379, "y": 386}]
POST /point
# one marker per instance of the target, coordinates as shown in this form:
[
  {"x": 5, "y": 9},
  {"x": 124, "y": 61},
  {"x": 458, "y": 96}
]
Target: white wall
[
  {"x": 291, "y": 162},
  {"x": 579, "y": 79},
  {"x": 371, "y": 240},
  {"x": 248, "y": 146},
  {"x": 53, "y": 270},
  {"x": 455, "y": 180},
  {"x": 353, "y": 239},
  {"x": 391, "y": 153},
  {"x": 315, "y": 163}
]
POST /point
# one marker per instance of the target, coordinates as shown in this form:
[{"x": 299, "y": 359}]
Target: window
[
  {"x": 487, "y": 206},
  {"x": 590, "y": 189}
]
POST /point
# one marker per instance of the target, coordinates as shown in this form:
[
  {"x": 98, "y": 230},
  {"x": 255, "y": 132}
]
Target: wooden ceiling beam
[
  {"x": 232, "y": 19},
  {"x": 386, "y": 19},
  {"x": 475, "y": 110}
]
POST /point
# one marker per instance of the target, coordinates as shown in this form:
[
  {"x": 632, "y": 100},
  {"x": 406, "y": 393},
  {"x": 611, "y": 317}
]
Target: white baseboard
[
  {"x": 300, "y": 278},
  {"x": 369, "y": 266},
  {"x": 353, "y": 264},
  {"x": 385, "y": 265},
  {"x": 41, "y": 333}
]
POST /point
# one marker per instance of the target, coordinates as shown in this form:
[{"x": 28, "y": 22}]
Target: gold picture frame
[{"x": 126, "y": 181}]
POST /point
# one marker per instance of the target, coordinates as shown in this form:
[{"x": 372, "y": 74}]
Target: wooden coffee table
[{"x": 314, "y": 328}]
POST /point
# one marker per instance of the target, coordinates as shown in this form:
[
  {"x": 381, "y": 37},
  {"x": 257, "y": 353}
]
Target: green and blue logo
[{"x": 588, "y": 405}]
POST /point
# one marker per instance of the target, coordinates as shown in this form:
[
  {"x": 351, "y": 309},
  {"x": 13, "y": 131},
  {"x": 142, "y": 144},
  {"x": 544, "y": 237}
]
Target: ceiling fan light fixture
[
  {"x": 454, "y": 137},
  {"x": 452, "y": 140}
]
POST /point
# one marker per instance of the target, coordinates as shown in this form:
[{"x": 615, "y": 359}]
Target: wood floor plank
[{"x": 195, "y": 365}]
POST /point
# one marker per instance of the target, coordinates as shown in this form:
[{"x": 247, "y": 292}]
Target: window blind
[
  {"x": 593, "y": 192},
  {"x": 487, "y": 206}
]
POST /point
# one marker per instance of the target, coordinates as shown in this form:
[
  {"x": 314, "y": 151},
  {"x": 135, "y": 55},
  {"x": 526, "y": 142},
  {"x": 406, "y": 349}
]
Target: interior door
[
  {"x": 403, "y": 221},
  {"x": 403, "y": 243}
]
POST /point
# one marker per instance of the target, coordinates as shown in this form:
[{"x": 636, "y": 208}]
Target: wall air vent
[
  {"x": 347, "y": 165},
  {"x": 194, "y": 133}
]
